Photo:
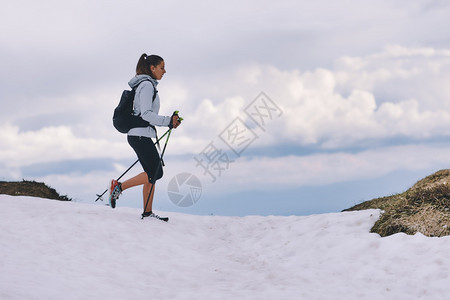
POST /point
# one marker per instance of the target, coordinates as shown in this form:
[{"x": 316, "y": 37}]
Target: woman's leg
[
  {"x": 151, "y": 163},
  {"x": 139, "y": 179},
  {"x": 146, "y": 191}
]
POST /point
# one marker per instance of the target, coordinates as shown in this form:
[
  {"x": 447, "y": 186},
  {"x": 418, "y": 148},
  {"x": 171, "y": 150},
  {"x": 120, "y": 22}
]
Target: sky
[{"x": 289, "y": 107}]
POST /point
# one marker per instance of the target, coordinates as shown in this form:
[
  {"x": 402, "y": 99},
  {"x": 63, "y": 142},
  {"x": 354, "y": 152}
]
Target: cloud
[
  {"x": 268, "y": 173},
  {"x": 51, "y": 144},
  {"x": 399, "y": 73},
  {"x": 61, "y": 46},
  {"x": 399, "y": 93},
  {"x": 339, "y": 108}
]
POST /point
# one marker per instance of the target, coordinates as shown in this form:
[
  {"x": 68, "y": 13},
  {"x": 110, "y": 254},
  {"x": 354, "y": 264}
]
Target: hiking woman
[{"x": 149, "y": 70}]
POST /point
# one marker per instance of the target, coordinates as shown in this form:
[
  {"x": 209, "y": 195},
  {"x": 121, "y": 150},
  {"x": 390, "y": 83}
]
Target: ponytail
[{"x": 144, "y": 63}]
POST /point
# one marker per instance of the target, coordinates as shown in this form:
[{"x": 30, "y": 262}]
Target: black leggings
[{"x": 148, "y": 156}]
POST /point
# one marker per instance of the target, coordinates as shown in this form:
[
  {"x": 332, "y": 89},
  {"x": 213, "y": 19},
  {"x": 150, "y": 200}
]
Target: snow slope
[{"x": 64, "y": 250}]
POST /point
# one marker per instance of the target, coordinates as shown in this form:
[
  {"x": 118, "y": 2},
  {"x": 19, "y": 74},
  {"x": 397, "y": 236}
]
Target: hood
[{"x": 136, "y": 80}]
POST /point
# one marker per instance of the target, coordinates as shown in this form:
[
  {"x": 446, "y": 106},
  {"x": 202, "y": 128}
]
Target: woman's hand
[{"x": 175, "y": 121}]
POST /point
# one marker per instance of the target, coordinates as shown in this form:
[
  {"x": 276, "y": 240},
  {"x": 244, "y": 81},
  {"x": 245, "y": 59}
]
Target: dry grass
[
  {"x": 424, "y": 208},
  {"x": 30, "y": 188}
]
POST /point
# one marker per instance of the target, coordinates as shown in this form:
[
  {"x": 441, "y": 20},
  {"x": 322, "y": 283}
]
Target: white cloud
[
  {"x": 52, "y": 144},
  {"x": 262, "y": 173},
  {"x": 344, "y": 106},
  {"x": 399, "y": 73},
  {"x": 341, "y": 107}
]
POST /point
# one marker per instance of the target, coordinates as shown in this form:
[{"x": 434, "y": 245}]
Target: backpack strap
[
  {"x": 156, "y": 131},
  {"x": 155, "y": 91}
]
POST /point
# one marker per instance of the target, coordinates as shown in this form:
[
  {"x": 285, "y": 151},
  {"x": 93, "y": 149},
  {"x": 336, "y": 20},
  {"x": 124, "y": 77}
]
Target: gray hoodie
[{"x": 144, "y": 106}]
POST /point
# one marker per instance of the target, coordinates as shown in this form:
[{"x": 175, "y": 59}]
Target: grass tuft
[
  {"x": 30, "y": 188},
  {"x": 424, "y": 208}
]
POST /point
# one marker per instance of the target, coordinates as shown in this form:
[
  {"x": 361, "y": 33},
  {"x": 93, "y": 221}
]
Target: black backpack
[{"x": 123, "y": 118}]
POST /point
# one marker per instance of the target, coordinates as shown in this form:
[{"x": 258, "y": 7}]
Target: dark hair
[{"x": 144, "y": 63}]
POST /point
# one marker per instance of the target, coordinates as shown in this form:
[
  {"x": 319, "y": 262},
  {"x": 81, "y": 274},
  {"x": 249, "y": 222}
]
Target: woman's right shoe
[{"x": 114, "y": 192}]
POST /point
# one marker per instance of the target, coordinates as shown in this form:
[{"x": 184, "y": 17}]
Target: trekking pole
[
  {"x": 156, "y": 171},
  {"x": 100, "y": 196}
]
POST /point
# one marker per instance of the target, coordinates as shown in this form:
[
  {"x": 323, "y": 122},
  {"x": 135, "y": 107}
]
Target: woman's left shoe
[{"x": 152, "y": 215}]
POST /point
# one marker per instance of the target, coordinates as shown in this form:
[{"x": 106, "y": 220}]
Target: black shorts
[{"x": 148, "y": 156}]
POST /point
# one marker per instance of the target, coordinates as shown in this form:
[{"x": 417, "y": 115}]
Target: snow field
[{"x": 64, "y": 250}]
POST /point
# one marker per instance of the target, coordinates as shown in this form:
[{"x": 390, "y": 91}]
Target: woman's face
[{"x": 158, "y": 71}]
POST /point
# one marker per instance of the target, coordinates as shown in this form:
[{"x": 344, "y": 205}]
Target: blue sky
[{"x": 355, "y": 105}]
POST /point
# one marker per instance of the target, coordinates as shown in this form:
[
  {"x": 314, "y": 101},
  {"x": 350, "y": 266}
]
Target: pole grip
[{"x": 176, "y": 113}]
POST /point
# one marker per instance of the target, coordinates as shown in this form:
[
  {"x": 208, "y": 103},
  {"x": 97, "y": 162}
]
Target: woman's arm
[{"x": 149, "y": 109}]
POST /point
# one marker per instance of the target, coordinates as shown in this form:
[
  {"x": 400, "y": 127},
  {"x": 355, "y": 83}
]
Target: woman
[{"x": 149, "y": 70}]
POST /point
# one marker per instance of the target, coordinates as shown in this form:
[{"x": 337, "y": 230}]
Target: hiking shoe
[
  {"x": 152, "y": 215},
  {"x": 114, "y": 192}
]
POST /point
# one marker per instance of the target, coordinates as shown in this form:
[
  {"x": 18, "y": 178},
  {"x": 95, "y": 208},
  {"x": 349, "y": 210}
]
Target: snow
[{"x": 64, "y": 250}]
